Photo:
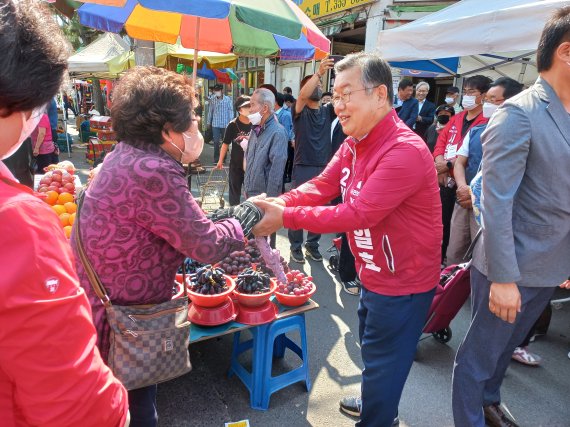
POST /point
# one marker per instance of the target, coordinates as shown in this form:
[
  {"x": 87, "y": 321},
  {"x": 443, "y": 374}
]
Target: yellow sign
[{"x": 319, "y": 8}]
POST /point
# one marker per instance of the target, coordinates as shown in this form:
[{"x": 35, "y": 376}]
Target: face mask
[
  {"x": 489, "y": 109},
  {"x": 28, "y": 126},
  {"x": 468, "y": 102},
  {"x": 317, "y": 94},
  {"x": 449, "y": 100},
  {"x": 255, "y": 118},
  {"x": 218, "y": 94},
  {"x": 193, "y": 146},
  {"x": 443, "y": 119}
]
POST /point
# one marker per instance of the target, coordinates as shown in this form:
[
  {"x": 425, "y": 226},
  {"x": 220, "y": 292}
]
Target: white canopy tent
[
  {"x": 492, "y": 37},
  {"x": 107, "y": 56}
]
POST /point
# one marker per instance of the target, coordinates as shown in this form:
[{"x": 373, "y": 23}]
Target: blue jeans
[
  {"x": 217, "y": 135},
  {"x": 485, "y": 353},
  {"x": 390, "y": 327},
  {"x": 142, "y": 406}
]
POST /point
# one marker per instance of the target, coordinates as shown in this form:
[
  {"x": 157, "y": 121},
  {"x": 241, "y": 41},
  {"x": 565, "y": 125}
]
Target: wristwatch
[{"x": 449, "y": 165}]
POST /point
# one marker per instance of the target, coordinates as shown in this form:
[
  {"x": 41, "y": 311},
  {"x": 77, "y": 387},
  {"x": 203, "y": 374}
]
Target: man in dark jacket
[
  {"x": 426, "y": 110},
  {"x": 406, "y": 105}
]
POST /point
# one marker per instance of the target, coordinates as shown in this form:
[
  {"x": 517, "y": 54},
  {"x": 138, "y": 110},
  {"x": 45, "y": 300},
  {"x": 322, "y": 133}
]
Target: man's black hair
[
  {"x": 511, "y": 86},
  {"x": 555, "y": 32}
]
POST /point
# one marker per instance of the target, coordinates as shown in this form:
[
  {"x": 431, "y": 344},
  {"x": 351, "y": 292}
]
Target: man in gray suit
[{"x": 525, "y": 250}]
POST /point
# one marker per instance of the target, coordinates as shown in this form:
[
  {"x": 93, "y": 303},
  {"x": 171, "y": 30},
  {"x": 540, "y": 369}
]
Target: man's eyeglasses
[{"x": 345, "y": 97}]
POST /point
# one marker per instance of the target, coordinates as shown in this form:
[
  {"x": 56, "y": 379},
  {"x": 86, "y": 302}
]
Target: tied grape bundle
[
  {"x": 252, "y": 281},
  {"x": 209, "y": 281}
]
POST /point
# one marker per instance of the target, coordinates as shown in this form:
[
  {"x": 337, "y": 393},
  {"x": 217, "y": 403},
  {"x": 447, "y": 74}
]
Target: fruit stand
[{"x": 105, "y": 140}]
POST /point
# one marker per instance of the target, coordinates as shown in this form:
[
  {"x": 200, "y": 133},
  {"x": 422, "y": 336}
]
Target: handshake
[{"x": 259, "y": 216}]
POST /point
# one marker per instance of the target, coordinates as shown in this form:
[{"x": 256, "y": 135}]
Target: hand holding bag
[{"x": 149, "y": 343}]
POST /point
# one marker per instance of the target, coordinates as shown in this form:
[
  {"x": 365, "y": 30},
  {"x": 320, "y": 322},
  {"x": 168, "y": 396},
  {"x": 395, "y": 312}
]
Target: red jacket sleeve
[
  {"x": 439, "y": 149},
  {"x": 398, "y": 175},
  {"x": 319, "y": 190},
  {"x": 47, "y": 338}
]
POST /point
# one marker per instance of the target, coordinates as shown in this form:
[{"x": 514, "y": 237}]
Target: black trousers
[
  {"x": 346, "y": 267},
  {"x": 447, "y": 204},
  {"x": 236, "y": 175}
]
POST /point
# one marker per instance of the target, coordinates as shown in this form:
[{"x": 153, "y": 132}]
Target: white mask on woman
[
  {"x": 449, "y": 100},
  {"x": 193, "y": 146},
  {"x": 28, "y": 126}
]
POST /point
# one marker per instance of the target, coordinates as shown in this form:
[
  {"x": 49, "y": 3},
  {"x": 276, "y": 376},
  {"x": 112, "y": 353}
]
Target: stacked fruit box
[{"x": 105, "y": 140}]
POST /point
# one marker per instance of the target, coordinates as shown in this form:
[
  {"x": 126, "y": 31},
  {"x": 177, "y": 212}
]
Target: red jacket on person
[
  {"x": 391, "y": 208},
  {"x": 51, "y": 373},
  {"x": 450, "y": 140}
]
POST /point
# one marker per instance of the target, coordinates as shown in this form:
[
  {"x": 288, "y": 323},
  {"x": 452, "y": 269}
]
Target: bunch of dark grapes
[
  {"x": 191, "y": 266},
  {"x": 252, "y": 281},
  {"x": 236, "y": 262},
  {"x": 209, "y": 281}
]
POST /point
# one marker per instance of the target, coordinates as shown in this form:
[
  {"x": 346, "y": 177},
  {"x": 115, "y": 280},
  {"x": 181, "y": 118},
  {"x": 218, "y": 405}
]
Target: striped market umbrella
[{"x": 266, "y": 28}]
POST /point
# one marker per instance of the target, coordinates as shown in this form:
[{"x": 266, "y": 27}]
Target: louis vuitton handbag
[{"x": 149, "y": 343}]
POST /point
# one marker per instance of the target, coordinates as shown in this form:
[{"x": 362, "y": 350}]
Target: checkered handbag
[{"x": 149, "y": 343}]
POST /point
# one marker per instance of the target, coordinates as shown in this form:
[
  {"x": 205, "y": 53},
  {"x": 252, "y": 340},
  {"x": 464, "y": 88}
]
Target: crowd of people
[{"x": 406, "y": 184}]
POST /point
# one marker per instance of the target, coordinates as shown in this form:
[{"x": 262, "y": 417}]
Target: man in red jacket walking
[
  {"x": 449, "y": 141},
  {"x": 391, "y": 213}
]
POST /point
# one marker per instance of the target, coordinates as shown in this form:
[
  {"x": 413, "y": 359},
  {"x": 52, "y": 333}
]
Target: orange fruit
[
  {"x": 70, "y": 207},
  {"x": 72, "y": 218},
  {"x": 64, "y": 218},
  {"x": 51, "y": 197},
  {"x": 67, "y": 231},
  {"x": 59, "y": 209},
  {"x": 64, "y": 198}
]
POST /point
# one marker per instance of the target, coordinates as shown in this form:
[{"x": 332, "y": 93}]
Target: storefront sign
[{"x": 319, "y": 8}]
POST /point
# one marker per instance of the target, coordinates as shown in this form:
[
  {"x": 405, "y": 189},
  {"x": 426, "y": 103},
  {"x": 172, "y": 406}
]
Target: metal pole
[{"x": 195, "y": 63}]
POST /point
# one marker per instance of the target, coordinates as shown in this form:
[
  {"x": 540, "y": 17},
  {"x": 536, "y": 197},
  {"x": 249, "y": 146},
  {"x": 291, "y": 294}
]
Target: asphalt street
[{"x": 207, "y": 397}]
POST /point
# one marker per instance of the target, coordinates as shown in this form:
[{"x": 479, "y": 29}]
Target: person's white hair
[
  {"x": 265, "y": 97},
  {"x": 421, "y": 84}
]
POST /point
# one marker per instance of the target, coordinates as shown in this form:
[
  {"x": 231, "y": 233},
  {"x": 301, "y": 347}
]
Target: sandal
[
  {"x": 351, "y": 288},
  {"x": 522, "y": 355}
]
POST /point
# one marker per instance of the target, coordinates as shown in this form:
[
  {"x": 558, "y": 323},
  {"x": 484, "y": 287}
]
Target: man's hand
[
  {"x": 463, "y": 195},
  {"x": 325, "y": 65},
  {"x": 565, "y": 285},
  {"x": 442, "y": 179},
  {"x": 441, "y": 166},
  {"x": 419, "y": 119},
  {"x": 36, "y": 153},
  {"x": 272, "y": 218},
  {"x": 276, "y": 201},
  {"x": 220, "y": 165},
  {"x": 505, "y": 301}
]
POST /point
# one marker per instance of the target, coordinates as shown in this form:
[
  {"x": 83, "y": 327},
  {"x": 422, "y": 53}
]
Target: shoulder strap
[{"x": 91, "y": 274}]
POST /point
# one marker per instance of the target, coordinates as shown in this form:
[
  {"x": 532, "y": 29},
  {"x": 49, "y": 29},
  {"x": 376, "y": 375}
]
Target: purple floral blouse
[{"x": 138, "y": 223}]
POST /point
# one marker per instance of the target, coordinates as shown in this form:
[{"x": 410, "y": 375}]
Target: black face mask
[
  {"x": 443, "y": 119},
  {"x": 316, "y": 95}
]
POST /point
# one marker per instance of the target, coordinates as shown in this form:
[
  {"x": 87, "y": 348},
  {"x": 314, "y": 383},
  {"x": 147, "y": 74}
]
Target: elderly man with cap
[
  {"x": 442, "y": 115},
  {"x": 220, "y": 114}
]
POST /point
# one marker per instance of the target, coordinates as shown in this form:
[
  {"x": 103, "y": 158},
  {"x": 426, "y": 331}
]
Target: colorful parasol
[{"x": 244, "y": 27}]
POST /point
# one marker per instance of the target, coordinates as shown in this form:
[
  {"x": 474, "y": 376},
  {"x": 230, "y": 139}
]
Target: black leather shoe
[{"x": 495, "y": 417}]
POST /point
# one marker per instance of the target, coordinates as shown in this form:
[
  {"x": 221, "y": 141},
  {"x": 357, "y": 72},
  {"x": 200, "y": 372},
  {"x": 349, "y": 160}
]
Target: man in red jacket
[
  {"x": 449, "y": 142},
  {"x": 51, "y": 373},
  {"x": 391, "y": 213}
]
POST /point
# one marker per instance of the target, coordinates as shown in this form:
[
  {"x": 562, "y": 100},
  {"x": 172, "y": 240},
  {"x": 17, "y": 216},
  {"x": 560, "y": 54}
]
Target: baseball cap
[
  {"x": 452, "y": 89},
  {"x": 445, "y": 107},
  {"x": 218, "y": 87}
]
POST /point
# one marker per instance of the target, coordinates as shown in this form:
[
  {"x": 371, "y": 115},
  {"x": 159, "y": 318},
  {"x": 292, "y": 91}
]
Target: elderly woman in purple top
[{"x": 139, "y": 220}]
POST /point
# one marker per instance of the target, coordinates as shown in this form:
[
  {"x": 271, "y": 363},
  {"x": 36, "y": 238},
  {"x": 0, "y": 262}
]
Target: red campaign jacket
[
  {"x": 51, "y": 373},
  {"x": 449, "y": 140},
  {"x": 391, "y": 208}
]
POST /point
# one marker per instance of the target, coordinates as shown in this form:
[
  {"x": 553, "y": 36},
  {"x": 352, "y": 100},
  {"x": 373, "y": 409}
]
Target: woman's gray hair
[
  {"x": 266, "y": 97},
  {"x": 420, "y": 84},
  {"x": 374, "y": 71}
]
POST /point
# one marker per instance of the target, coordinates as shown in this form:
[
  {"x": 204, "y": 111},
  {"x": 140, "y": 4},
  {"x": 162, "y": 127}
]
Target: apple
[
  {"x": 69, "y": 187},
  {"x": 43, "y": 189},
  {"x": 56, "y": 177},
  {"x": 57, "y": 172}
]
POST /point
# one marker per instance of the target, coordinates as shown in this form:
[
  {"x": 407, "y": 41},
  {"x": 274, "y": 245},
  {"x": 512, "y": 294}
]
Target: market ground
[{"x": 207, "y": 397}]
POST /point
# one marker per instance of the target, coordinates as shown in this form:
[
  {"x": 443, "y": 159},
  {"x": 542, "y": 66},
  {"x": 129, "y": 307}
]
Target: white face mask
[
  {"x": 255, "y": 118},
  {"x": 218, "y": 94},
  {"x": 468, "y": 102},
  {"x": 193, "y": 146},
  {"x": 28, "y": 126},
  {"x": 489, "y": 109},
  {"x": 449, "y": 100}
]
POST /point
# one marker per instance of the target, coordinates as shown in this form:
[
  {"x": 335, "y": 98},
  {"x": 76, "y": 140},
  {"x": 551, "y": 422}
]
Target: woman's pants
[{"x": 142, "y": 406}]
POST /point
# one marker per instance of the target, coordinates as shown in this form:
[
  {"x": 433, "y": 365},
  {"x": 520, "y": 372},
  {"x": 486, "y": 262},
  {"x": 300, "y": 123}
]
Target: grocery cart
[{"x": 212, "y": 184}]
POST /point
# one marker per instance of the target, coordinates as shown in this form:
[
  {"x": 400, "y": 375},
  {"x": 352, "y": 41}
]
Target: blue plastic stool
[{"x": 275, "y": 345}]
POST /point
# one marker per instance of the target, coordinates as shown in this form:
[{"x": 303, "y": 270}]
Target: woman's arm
[{"x": 39, "y": 141}]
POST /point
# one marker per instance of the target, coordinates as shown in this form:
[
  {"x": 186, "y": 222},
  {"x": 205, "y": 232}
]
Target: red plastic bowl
[
  {"x": 265, "y": 313},
  {"x": 213, "y": 300},
  {"x": 255, "y": 300},
  {"x": 294, "y": 300},
  {"x": 212, "y": 316}
]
